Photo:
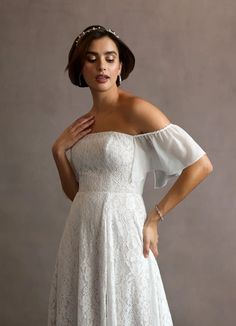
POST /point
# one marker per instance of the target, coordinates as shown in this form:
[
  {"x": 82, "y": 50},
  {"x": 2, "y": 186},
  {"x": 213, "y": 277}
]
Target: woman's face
[{"x": 102, "y": 64}]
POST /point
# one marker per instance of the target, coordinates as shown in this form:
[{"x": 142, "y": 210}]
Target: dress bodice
[
  {"x": 119, "y": 162},
  {"x": 101, "y": 276}
]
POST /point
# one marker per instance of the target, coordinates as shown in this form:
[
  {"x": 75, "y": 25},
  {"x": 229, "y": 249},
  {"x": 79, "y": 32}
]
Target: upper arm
[{"x": 145, "y": 116}]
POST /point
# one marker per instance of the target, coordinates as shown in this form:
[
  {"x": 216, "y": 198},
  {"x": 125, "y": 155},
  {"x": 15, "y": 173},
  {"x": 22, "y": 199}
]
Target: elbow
[
  {"x": 70, "y": 196},
  {"x": 209, "y": 168},
  {"x": 207, "y": 165},
  {"x": 71, "y": 193},
  {"x": 203, "y": 167}
]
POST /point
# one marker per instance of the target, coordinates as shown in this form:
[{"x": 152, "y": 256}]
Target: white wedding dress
[{"x": 101, "y": 276}]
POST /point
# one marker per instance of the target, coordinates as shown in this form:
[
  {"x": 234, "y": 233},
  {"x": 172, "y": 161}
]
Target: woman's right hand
[{"x": 77, "y": 130}]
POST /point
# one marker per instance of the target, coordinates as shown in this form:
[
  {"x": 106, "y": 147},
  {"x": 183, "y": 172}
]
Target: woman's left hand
[{"x": 150, "y": 234}]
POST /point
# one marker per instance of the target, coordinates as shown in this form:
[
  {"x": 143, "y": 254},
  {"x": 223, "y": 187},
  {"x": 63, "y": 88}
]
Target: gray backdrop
[{"x": 185, "y": 65}]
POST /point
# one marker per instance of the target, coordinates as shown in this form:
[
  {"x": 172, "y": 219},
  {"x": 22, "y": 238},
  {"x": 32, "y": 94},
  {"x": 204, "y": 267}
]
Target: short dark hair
[{"x": 77, "y": 54}]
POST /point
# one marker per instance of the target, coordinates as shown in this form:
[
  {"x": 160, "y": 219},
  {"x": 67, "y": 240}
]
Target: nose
[
  {"x": 101, "y": 68},
  {"x": 101, "y": 65}
]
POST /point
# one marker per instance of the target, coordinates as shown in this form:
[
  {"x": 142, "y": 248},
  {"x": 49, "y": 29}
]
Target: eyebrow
[{"x": 108, "y": 52}]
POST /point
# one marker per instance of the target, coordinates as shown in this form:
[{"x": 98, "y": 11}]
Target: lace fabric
[{"x": 101, "y": 277}]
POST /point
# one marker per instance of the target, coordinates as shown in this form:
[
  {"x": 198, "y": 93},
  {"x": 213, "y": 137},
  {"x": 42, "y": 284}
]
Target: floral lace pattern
[{"x": 101, "y": 277}]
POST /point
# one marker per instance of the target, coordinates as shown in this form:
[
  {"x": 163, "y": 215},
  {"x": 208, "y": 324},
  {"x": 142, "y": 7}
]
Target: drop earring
[
  {"x": 119, "y": 79},
  {"x": 79, "y": 80}
]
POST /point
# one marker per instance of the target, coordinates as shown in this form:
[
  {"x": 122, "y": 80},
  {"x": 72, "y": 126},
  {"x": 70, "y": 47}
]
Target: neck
[{"x": 105, "y": 101}]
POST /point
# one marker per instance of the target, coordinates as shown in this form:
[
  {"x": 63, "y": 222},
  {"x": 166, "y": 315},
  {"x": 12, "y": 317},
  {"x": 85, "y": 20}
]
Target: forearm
[
  {"x": 187, "y": 181},
  {"x": 69, "y": 183}
]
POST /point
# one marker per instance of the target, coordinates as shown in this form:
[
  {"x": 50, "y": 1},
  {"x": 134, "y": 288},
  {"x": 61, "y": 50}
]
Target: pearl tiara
[{"x": 94, "y": 29}]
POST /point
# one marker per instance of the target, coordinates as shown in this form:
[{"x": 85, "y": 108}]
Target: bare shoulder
[{"x": 144, "y": 115}]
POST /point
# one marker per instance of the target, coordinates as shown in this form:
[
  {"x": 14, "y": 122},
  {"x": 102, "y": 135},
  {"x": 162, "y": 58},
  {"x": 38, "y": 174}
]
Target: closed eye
[
  {"x": 91, "y": 60},
  {"x": 94, "y": 59}
]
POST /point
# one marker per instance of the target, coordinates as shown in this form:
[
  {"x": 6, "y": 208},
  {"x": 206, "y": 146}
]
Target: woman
[{"x": 106, "y": 272}]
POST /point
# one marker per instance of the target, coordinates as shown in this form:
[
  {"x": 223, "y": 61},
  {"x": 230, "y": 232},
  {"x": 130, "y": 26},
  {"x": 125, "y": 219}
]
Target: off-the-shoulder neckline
[{"x": 129, "y": 135}]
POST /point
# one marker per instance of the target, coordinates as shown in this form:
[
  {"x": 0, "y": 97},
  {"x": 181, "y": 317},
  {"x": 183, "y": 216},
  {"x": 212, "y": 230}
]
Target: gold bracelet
[{"x": 159, "y": 212}]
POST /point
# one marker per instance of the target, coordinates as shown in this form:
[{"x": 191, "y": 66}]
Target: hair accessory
[
  {"x": 159, "y": 212},
  {"x": 94, "y": 29}
]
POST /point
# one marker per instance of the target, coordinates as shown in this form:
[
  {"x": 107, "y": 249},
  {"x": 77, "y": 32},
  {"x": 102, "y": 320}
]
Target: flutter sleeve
[{"x": 166, "y": 152}]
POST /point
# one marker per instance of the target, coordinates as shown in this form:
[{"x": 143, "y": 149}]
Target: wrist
[
  {"x": 57, "y": 152},
  {"x": 153, "y": 217},
  {"x": 159, "y": 213}
]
